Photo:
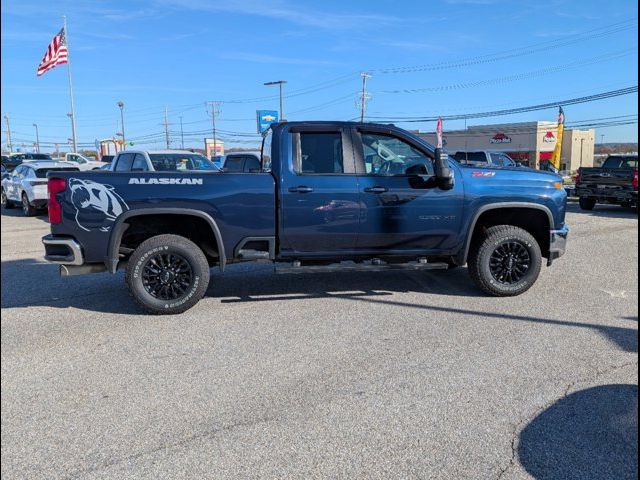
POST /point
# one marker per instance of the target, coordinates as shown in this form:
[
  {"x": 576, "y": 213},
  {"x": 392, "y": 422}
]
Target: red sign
[
  {"x": 500, "y": 138},
  {"x": 549, "y": 137}
]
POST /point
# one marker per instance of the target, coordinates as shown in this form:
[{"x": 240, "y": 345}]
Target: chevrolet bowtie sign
[{"x": 265, "y": 119}]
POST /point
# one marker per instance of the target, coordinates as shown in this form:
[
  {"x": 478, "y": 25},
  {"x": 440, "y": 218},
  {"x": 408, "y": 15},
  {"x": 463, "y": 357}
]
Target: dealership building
[{"x": 531, "y": 143}]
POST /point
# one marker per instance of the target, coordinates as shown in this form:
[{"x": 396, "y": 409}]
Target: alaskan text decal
[{"x": 166, "y": 181}]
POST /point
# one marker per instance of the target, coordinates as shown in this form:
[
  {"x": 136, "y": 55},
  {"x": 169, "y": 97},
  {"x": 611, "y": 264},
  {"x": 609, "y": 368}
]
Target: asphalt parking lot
[{"x": 382, "y": 375}]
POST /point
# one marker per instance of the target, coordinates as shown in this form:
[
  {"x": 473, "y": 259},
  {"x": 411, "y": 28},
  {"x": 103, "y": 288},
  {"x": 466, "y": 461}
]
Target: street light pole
[
  {"x": 124, "y": 141},
  {"x": 37, "y": 138},
  {"x": 280, "y": 83}
]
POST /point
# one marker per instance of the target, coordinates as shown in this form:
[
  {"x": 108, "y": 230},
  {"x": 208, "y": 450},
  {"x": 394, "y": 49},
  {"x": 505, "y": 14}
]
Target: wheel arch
[
  {"x": 510, "y": 206},
  {"x": 121, "y": 226}
]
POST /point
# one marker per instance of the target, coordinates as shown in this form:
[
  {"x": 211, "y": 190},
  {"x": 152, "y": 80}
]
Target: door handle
[
  {"x": 376, "y": 189},
  {"x": 301, "y": 189}
]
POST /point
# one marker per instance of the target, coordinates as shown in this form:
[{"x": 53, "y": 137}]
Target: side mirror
[{"x": 444, "y": 175}]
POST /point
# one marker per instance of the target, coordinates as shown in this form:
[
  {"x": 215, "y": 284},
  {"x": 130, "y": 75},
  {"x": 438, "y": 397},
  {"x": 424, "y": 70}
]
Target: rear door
[
  {"x": 402, "y": 210},
  {"x": 318, "y": 192}
]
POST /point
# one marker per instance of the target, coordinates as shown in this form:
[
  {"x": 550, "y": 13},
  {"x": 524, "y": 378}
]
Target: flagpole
[{"x": 73, "y": 114}]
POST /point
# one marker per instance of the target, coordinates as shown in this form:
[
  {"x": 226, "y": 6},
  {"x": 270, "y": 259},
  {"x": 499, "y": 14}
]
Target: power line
[
  {"x": 519, "y": 51},
  {"x": 516, "y": 77},
  {"x": 511, "y": 111}
]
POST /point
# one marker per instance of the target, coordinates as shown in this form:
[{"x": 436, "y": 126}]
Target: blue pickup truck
[{"x": 329, "y": 196}]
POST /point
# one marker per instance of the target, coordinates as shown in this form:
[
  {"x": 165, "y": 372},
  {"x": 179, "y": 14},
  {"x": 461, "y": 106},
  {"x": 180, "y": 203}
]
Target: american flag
[
  {"x": 439, "y": 133},
  {"x": 561, "y": 117},
  {"x": 57, "y": 53}
]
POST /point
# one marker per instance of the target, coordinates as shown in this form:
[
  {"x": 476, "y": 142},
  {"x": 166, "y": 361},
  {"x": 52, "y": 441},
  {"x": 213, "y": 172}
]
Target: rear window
[
  {"x": 630, "y": 163},
  {"x": 42, "y": 172},
  {"x": 471, "y": 158},
  {"x": 180, "y": 162},
  {"x": 40, "y": 156}
]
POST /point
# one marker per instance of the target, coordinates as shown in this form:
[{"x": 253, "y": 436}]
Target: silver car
[{"x": 27, "y": 185}]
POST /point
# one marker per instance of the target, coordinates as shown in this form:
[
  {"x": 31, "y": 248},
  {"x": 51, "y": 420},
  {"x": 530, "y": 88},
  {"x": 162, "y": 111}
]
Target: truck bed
[{"x": 241, "y": 204}]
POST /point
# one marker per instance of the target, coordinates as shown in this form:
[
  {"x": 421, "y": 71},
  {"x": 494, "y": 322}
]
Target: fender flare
[
  {"x": 464, "y": 254},
  {"x": 120, "y": 226}
]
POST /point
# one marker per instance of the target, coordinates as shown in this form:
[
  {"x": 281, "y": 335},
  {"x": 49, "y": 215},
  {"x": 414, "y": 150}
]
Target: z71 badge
[{"x": 483, "y": 174}]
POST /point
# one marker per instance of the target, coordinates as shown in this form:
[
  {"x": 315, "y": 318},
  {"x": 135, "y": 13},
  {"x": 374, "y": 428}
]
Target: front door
[
  {"x": 319, "y": 193},
  {"x": 403, "y": 210}
]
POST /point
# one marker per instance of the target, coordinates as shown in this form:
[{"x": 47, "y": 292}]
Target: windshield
[
  {"x": 180, "y": 162},
  {"x": 630, "y": 163}
]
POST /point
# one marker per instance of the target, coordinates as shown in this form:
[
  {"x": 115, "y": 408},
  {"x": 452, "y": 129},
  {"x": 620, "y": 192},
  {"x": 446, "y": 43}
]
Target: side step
[{"x": 296, "y": 267}]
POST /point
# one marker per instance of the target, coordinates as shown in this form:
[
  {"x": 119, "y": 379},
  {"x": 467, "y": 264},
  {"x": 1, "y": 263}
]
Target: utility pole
[
  {"x": 37, "y": 138},
  {"x": 364, "y": 95},
  {"x": 181, "y": 134},
  {"x": 280, "y": 83},
  {"x": 602, "y": 139},
  {"x": 124, "y": 140},
  {"x": 9, "y": 146},
  {"x": 166, "y": 127},
  {"x": 213, "y": 108}
]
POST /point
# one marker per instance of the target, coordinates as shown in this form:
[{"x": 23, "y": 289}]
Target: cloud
[{"x": 282, "y": 10}]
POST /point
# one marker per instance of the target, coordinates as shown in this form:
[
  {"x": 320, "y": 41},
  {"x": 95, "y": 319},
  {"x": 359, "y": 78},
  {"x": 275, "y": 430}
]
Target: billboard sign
[{"x": 265, "y": 119}]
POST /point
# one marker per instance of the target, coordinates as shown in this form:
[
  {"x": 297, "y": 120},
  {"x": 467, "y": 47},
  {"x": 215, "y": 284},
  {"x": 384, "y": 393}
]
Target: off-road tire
[
  {"x": 28, "y": 209},
  {"x": 587, "y": 203},
  {"x": 487, "y": 244},
  {"x": 179, "y": 247}
]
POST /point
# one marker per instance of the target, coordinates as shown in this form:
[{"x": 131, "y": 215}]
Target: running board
[{"x": 358, "y": 267}]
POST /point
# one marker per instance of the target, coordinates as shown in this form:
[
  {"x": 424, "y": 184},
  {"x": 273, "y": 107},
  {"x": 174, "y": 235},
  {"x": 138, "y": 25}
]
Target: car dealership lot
[{"x": 398, "y": 374}]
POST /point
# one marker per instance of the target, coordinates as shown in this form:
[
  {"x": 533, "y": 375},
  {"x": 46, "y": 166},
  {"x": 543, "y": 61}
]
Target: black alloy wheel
[
  {"x": 167, "y": 276},
  {"x": 510, "y": 262}
]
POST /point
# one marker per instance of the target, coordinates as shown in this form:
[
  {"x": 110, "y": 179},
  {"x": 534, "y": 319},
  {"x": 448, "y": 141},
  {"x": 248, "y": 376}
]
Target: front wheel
[
  {"x": 587, "y": 203},
  {"x": 6, "y": 203},
  {"x": 506, "y": 261},
  {"x": 167, "y": 274}
]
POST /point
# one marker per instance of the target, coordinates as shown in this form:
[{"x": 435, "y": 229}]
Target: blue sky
[{"x": 182, "y": 53}]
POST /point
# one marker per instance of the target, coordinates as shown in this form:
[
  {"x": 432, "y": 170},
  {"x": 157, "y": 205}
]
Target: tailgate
[{"x": 594, "y": 177}]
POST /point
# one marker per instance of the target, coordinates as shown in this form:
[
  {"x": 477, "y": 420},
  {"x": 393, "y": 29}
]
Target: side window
[
  {"x": 319, "y": 153},
  {"x": 387, "y": 155},
  {"x": 507, "y": 161},
  {"x": 125, "y": 160},
  {"x": 251, "y": 164},
  {"x": 496, "y": 159},
  {"x": 139, "y": 163},
  {"x": 233, "y": 164}
]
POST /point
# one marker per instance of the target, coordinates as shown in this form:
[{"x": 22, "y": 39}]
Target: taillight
[
  {"x": 55, "y": 186},
  {"x": 578, "y": 175},
  {"x": 635, "y": 179}
]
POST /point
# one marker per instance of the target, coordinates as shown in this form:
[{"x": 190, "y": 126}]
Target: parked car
[
  {"x": 616, "y": 182},
  {"x": 27, "y": 184},
  {"x": 84, "y": 163},
  {"x": 5, "y": 172},
  {"x": 161, "y": 161},
  {"x": 169, "y": 227},
  {"x": 485, "y": 158},
  {"x": 242, "y": 162}
]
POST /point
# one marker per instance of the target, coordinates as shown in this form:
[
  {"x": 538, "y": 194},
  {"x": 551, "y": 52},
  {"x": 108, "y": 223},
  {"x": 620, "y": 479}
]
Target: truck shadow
[
  {"x": 589, "y": 434},
  {"x": 258, "y": 284},
  {"x": 42, "y": 215},
  {"x": 606, "y": 211}
]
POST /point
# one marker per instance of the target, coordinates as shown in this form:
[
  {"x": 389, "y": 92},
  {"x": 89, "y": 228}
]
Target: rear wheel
[
  {"x": 6, "y": 203},
  {"x": 505, "y": 261},
  {"x": 28, "y": 209},
  {"x": 587, "y": 203},
  {"x": 167, "y": 274}
]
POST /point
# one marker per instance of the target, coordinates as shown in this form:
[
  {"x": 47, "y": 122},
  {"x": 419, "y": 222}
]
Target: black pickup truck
[{"x": 615, "y": 183}]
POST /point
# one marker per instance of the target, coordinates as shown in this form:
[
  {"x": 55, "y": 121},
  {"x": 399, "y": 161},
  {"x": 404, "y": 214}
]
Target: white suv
[{"x": 27, "y": 184}]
